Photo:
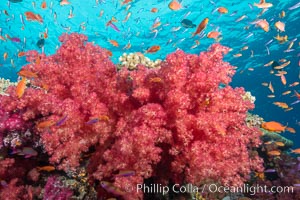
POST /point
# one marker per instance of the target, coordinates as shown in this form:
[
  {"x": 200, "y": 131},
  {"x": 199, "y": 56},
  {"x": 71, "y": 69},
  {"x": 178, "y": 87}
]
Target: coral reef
[
  {"x": 248, "y": 96},
  {"x": 4, "y": 84},
  {"x": 132, "y": 60},
  {"x": 273, "y": 136},
  {"x": 172, "y": 123},
  {"x": 254, "y": 120}
]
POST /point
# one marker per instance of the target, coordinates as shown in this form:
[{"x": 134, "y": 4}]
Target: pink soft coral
[{"x": 173, "y": 123}]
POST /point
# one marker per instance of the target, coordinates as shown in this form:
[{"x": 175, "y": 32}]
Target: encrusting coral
[
  {"x": 132, "y": 60},
  {"x": 171, "y": 123}
]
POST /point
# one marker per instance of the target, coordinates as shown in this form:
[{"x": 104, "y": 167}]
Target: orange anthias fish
[
  {"x": 263, "y": 4},
  {"x": 45, "y": 124},
  {"x": 44, "y": 5},
  {"x": 114, "y": 43},
  {"x": 280, "y": 26},
  {"x": 154, "y": 10},
  {"x": 64, "y": 2},
  {"x": 273, "y": 126},
  {"x": 213, "y": 34},
  {"x": 201, "y": 26},
  {"x": 21, "y": 87},
  {"x": 174, "y": 5},
  {"x": 21, "y": 53},
  {"x": 274, "y": 153},
  {"x": 222, "y": 10},
  {"x": 126, "y": 2},
  {"x": 153, "y": 49},
  {"x": 30, "y": 16},
  {"x": 281, "y": 104},
  {"x": 262, "y": 23},
  {"x": 290, "y": 129},
  {"x": 47, "y": 168},
  {"x": 296, "y": 151},
  {"x": 27, "y": 74}
]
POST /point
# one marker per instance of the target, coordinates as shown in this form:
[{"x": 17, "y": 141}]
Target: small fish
[
  {"x": 281, "y": 39},
  {"x": 20, "y": 89},
  {"x": 241, "y": 18},
  {"x": 155, "y": 25},
  {"x": 244, "y": 48},
  {"x": 40, "y": 43},
  {"x": 45, "y": 124},
  {"x": 269, "y": 63},
  {"x": 187, "y": 23},
  {"x": 21, "y": 54},
  {"x": 109, "y": 187},
  {"x": 213, "y": 34},
  {"x": 30, "y": 16},
  {"x": 128, "y": 45},
  {"x": 64, "y": 2},
  {"x": 287, "y": 92},
  {"x": 271, "y": 87},
  {"x": 27, "y": 74},
  {"x": 222, "y": 10},
  {"x": 273, "y": 126},
  {"x": 154, "y": 10},
  {"x": 15, "y": 39},
  {"x": 263, "y": 4},
  {"x": 297, "y": 5},
  {"x": 274, "y": 153},
  {"x": 114, "y": 43},
  {"x": 201, "y": 26},
  {"x": 110, "y": 23},
  {"x": 295, "y": 151},
  {"x": 282, "y": 14},
  {"x": 237, "y": 55},
  {"x": 44, "y": 5},
  {"x": 155, "y": 80},
  {"x": 280, "y": 144},
  {"x": 270, "y": 170},
  {"x": 61, "y": 121},
  {"x": 153, "y": 49},
  {"x": 263, "y": 23},
  {"x": 5, "y": 56},
  {"x": 174, "y": 5},
  {"x": 282, "y": 65},
  {"x": 280, "y": 26},
  {"x": 281, "y": 104},
  {"x": 271, "y": 96},
  {"x": 269, "y": 42},
  {"x": 127, "y": 17},
  {"x": 290, "y": 45},
  {"x": 283, "y": 79},
  {"x": 290, "y": 129},
  {"x": 48, "y": 168},
  {"x": 92, "y": 121},
  {"x": 294, "y": 84}
]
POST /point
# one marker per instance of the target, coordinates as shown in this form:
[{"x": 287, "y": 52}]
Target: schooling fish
[
  {"x": 201, "y": 27},
  {"x": 21, "y": 87}
]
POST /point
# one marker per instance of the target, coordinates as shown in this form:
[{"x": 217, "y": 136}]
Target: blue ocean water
[{"x": 90, "y": 18}]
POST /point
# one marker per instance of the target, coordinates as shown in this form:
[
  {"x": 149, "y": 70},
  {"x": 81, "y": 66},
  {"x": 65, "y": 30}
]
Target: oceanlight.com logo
[
  {"x": 213, "y": 188},
  {"x": 249, "y": 189}
]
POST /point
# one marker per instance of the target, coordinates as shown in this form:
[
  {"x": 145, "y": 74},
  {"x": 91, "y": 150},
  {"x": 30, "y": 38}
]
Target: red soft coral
[{"x": 183, "y": 116}]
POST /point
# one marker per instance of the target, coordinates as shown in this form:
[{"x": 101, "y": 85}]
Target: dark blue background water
[{"x": 137, "y": 31}]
